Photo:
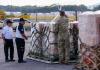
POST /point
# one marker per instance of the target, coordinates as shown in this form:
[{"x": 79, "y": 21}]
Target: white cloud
[{"x": 47, "y": 2}]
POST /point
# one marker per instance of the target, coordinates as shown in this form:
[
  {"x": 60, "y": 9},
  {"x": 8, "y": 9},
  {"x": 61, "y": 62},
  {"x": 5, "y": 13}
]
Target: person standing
[
  {"x": 20, "y": 40},
  {"x": 7, "y": 35},
  {"x": 63, "y": 37}
]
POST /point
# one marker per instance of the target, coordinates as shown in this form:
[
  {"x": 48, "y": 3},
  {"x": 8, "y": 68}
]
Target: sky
[{"x": 48, "y": 2}]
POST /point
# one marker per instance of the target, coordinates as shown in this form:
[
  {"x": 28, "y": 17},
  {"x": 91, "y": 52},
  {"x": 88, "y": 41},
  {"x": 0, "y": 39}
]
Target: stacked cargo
[
  {"x": 89, "y": 28},
  {"x": 44, "y": 41},
  {"x": 89, "y": 33}
]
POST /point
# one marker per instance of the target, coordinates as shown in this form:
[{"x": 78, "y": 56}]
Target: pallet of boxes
[
  {"x": 89, "y": 35},
  {"x": 53, "y": 42},
  {"x": 44, "y": 42}
]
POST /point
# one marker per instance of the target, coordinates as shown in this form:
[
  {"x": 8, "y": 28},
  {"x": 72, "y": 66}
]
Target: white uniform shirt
[
  {"x": 18, "y": 33},
  {"x": 7, "y": 32}
]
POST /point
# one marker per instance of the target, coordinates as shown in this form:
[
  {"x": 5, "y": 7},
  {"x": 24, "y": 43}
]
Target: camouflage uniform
[{"x": 63, "y": 39}]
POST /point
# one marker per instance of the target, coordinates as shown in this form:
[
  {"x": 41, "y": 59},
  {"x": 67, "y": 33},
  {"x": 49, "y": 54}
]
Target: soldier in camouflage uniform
[{"x": 63, "y": 37}]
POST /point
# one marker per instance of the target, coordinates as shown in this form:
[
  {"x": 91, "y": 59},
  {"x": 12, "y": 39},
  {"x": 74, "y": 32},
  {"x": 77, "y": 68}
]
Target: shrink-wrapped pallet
[
  {"x": 89, "y": 32},
  {"x": 44, "y": 43},
  {"x": 89, "y": 28}
]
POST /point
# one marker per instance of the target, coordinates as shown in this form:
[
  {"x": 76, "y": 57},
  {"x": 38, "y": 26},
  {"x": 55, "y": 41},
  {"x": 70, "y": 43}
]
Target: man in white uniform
[
  {"x": 7, "y": 35},
  {"x": 20, "y": 40}
]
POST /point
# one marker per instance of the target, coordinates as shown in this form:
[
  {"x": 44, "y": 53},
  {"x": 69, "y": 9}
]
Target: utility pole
[
  {"x": 76, "y": 15},
  {"x": 36, "y": 16}
]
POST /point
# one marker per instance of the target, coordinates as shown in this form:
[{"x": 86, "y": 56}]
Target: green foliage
[
  {"x": 2, "y": 14},
  {"x": 97, "y": 7},
  {"x": 45, "y": 9}
]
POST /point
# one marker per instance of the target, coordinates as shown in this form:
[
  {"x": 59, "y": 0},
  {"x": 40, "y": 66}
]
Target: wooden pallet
[
  {"x": 40, "y": 60},
  {"x": 89, "y": 58}
]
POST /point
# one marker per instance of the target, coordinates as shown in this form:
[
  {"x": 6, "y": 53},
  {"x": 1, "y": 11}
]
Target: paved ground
[{"x": 30, "y": 65}]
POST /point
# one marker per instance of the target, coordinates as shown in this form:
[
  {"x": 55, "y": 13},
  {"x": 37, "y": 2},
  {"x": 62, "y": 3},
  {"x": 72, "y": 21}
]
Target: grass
[{"x": 49, "y": 18}]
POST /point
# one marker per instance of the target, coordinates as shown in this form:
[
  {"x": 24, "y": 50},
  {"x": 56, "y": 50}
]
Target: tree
[
  {"x": 44, "y": 9},
  {"x": 2, "y": 14},
  {"x": 97, "y": 7}
]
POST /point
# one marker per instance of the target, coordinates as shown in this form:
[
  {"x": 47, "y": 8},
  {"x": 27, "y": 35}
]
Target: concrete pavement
[{"x": 30, "y": 65}]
